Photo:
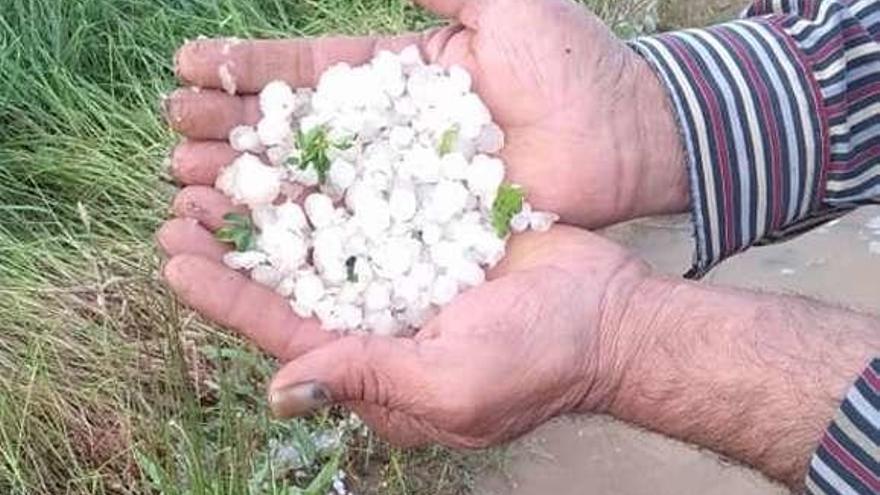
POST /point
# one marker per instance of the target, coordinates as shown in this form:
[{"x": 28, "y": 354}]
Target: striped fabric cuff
[
  {"x": 749, "y": 111},
  {"x": 848, "y": 458}
]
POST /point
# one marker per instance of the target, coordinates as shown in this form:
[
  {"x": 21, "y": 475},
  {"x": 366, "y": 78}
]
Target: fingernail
[{"x": 301, "y": 399}]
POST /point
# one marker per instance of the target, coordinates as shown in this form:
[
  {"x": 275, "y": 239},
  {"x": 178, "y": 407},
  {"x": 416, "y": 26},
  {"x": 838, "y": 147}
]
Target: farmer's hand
[
  {"x": 541, "y": 338},
  {"x": 590, "y": 134}
]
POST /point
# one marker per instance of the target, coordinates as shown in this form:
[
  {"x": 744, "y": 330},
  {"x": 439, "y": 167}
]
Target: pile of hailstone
[{"x": 405, "y": 204}]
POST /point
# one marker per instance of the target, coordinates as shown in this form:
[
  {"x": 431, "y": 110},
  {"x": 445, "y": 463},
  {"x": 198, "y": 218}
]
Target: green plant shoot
[
  {"x": 448, "y": 140},
  {"x": 314, "y": 147},
  {"x": 508, "y": 203},
  {"x": 238, "y": 231}
]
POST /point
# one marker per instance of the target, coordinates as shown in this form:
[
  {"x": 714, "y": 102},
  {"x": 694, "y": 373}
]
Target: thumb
[
  {"x": 453, "y": 9},
  {"x": 371, "y": 370}
]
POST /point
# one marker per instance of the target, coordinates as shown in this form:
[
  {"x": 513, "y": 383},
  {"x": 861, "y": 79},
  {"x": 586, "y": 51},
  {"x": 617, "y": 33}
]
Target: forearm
[{"x": 756, "y": 377}]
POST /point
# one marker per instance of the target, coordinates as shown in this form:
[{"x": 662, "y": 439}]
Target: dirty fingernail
[{"x": 298, "y": 400}]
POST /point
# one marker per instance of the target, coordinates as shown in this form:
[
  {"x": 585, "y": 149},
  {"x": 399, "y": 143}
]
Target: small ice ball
[
  {"x": 245, "y": 138},
  {"x": 277, "y": 98},
  {"x": 342, "y": 174},
  {"x": 444, "y": 290},
  {"x": 246, "y": 260},
  {"x": 266, "y": 276},
  {"x": 319, "y": 208},
  {"x": 308, "y": 290},
  {"x": 274, "y": 130},
  {"x": 460, "y": 79},
  {"x": 247, "y": 180},
  {"x": 377, "y": 296},
  {"x": 542, "y": 221},
  {"x": 403, "y": 204},
  {"x": 491, "y": 139}
]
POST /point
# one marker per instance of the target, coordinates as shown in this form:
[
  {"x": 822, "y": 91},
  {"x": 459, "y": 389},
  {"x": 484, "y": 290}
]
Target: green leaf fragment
[
  {"x": 314, "y": 147},
  {"x": 238, "y": 231},
  {"x": 508, "y": 203},
  {"x": 448, "y": 141}
]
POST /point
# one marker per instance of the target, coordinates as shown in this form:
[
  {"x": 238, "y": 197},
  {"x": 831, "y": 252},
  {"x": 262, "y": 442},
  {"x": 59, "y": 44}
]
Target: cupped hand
[
  {"x": 589, "y": 132},
  {"x": 538, "y": 340}
]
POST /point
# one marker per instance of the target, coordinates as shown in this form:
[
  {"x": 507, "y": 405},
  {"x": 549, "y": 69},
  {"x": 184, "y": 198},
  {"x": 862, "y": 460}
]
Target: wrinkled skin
[{"x": 589, "y": 136}]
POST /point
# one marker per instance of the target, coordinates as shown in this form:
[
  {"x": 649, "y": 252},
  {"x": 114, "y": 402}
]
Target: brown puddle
[{"x": 584, "y": 455}]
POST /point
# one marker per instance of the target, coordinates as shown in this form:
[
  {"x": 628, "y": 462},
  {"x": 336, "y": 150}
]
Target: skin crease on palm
[{"x": 589, "y": 135}]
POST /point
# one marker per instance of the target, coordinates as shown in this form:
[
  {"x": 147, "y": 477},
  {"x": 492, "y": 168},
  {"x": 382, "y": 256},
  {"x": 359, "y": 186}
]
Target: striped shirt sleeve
[
  {"x": 848, "y": 458},
  {"x": 780, "y": 117}
]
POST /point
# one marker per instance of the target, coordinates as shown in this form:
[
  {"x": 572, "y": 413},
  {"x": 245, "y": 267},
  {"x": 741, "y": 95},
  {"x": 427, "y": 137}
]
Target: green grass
[{"x": 106, "y": 385}]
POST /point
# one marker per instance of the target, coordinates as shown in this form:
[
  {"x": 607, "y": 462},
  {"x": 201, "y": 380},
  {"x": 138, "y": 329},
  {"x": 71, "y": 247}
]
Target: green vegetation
[
  {"x": 314, "y": 147},
  {"x": 448, "y": 140},
  {"x": 508, "y": 203},
  {"x": 238, "y": 230},
  {"x": 106, "y": 384}
]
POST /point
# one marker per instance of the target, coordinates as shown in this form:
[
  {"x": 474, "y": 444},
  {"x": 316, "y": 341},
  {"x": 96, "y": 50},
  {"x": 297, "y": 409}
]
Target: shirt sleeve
[
  {"x": 780, "y": 117},
  {"x": 848, "y": 458}
]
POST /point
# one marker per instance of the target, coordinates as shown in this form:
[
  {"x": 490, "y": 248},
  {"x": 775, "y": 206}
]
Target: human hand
[
  {"x": 589, "y": 131},
  {"x": 538, "y": 340}
]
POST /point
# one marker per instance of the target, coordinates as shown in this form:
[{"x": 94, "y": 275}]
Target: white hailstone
[
  {"x": 287, "y": 251},
  {"x": 431, "y": 233},
  {"x": 308, "y": 291},
  {"x": 382, "y": 323},
  {"x": 404, "y": 220},
  {"x": 290, "y": 216},
  {"x": 245, "y": 138},
  {"x": 447, "y": 253},
  {"x": 453, "y": 166},
  {"x": 377, "y": 296},
  {"x": 350, "y": 315},
  {"x": 522, "y": 220},
  {"x": 410, "y": 58},
  {"x": 247, "y": 180},
  {"x": 423, "y": 274},
  {"x": 308, "y": 176},
  {"x": 491, "y": 139},
  {"x": 395, "y": 256},
  {"x": 281, "y": 154},
  {"x": 444, "y": 290},
  {"x": 448, "y": 200},
  {"x": 467, "y": 273},
  {"x": 247, "y": 260},
  {"x": 541, "y": 221},
  {"x": 484, "y": 177},
  {"x": 403, "y": 204},
  {"x": 273, "y": 130},
  {"x": 460, "y": 80},
  {"x": 373, "y": 214},
  {"x": 342, "y": 174},
  {"x": 277, "y": 98},
  {"x": 266, "y": 275},
  {"x": 405, "y": 292},
  {"x": 489, "y": 248},
  {"x": 401, "y": 136},
  {"x": 285, "y": 286},
  {"x": 319, "y": 208}
]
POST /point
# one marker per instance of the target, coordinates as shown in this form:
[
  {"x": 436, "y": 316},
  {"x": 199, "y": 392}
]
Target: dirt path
[{"x": 599, "y": 456}]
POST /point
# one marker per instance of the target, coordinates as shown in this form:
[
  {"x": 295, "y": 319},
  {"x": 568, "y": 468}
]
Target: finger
[
  {"x": 205, "y": 204},
  {"x": 446, "y": 8},
  {"x": 186, "y": 236},
  {"x": 232, "y": 300},
  {"x": 394, "y": 427},
  {"x": 249, "y": 65},
  {"x": 209, "y": 114},
  {"x": 199, "y": 162},
  {"x": 380, "y": 371}
]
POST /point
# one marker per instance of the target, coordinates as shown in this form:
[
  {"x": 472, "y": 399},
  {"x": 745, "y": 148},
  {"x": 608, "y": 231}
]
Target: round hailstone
[{"x": 398, "y": 163}]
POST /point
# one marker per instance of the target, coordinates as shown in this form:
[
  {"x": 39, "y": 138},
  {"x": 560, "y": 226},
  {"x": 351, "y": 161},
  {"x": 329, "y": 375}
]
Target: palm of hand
[{"x": 542, "y": 305}]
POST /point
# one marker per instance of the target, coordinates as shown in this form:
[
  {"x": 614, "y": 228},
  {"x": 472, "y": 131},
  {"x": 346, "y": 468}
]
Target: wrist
[{"x": 663, "y": 185}]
